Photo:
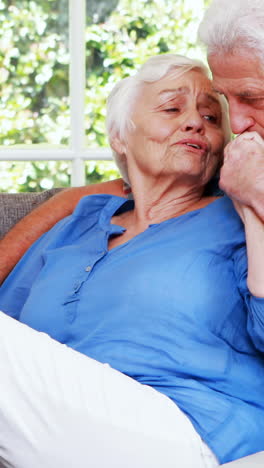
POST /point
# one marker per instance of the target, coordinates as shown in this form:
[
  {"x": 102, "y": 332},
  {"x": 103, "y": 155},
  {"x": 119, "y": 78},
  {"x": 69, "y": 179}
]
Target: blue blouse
[{"x": 170, "y": 308}]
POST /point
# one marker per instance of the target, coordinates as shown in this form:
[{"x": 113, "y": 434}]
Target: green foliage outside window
[{"x": 34, "y": 103}]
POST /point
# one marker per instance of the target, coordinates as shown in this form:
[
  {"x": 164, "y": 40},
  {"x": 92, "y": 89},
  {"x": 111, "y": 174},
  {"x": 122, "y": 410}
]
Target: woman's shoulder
[
  {"x": 87, "y": 214},
  {"x": 94, "y": 204}
]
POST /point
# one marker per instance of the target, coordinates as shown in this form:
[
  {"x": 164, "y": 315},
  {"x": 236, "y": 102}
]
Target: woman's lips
[{"x": 194, "y": 144}]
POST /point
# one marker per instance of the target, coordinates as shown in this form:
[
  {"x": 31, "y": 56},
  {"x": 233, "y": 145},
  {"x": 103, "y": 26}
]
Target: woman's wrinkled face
[{"x": 177, "y": 130}]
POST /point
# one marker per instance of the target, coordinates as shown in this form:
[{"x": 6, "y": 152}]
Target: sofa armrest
[{"x": 253, "y": 461}]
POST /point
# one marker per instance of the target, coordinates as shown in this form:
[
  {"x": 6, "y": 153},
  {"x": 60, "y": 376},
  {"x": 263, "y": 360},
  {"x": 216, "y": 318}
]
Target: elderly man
[{"x": 233, "y": 35}]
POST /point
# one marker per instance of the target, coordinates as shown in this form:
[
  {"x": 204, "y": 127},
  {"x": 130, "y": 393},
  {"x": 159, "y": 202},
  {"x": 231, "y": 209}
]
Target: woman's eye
[
  {"x": 172, "y": 110},
  {"x": 211, "y": 118}
]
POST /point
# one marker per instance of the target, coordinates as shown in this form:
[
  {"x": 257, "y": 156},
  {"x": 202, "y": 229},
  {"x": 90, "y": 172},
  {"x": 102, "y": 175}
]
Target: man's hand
[{"x": 242, "y": 175}]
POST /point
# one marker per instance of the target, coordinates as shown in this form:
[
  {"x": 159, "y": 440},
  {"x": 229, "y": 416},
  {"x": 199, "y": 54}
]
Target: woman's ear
[{"x": 118, "y": 146}]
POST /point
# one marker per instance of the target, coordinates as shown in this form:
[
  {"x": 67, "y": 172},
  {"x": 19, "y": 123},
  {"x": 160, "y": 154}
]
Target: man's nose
[
  {"x": 240, "y": 118},
  {"x": 193, "y": 122}
]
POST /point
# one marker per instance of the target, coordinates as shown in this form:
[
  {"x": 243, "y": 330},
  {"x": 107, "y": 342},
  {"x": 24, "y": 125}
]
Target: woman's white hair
[
  {"x": 122, "y": 99},
  {"x": 233, "y": 24}
]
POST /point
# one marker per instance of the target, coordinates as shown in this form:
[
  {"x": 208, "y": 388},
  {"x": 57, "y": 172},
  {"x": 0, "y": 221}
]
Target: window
[{"x": 59, "y": 59}]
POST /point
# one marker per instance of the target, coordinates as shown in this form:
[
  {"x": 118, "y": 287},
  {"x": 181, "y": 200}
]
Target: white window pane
[
  {"x": 34, "y": 63},
  {"x": 34, "y": 176}
]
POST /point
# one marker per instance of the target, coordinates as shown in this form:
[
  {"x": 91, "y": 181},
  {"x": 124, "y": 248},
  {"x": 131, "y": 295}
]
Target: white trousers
[{"x": 61, "y": 409}]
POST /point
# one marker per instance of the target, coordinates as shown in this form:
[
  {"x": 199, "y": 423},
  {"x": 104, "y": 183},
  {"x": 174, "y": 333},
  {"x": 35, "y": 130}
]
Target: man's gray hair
[
  {"x": 233, "y": 24},
  {"x": 123, "y": 97}
]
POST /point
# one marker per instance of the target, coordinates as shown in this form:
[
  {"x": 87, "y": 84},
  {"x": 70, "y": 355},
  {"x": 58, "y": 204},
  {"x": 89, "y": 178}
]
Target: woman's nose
[{"x": 193, "y": 123}]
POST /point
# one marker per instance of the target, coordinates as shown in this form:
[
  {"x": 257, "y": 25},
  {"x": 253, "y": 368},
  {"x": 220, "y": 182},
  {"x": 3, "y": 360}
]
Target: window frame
[{"x": 75, "y": 151}]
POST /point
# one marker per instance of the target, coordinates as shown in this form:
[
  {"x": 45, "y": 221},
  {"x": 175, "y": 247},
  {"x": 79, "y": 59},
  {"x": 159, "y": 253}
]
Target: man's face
[{"x": 240, "y": 77}]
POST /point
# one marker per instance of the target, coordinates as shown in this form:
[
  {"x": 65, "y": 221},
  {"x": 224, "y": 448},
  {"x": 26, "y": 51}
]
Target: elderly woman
[{"x": 159, "y": 288}]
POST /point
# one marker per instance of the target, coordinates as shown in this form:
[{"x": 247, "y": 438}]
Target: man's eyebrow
[{"x": 247, "y": 94}]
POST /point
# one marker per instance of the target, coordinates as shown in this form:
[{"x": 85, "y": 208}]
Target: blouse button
[{"x": 88, "y": 268}]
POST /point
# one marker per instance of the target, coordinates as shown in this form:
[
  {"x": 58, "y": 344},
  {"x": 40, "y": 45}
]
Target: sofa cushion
[{"x": 14, "y": 206}]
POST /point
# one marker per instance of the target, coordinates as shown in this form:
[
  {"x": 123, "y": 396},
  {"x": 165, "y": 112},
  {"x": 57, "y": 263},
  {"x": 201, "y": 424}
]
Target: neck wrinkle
[{"x": 154, "y": 204}]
